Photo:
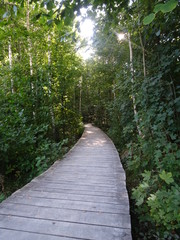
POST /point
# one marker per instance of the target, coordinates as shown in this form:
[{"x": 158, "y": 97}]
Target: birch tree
[
  {"x": 10, "y": 64},
  {"x": 132, "y": 80},
  {"x": 50, "y": 86},
  {"x": 29, "y": 40}
]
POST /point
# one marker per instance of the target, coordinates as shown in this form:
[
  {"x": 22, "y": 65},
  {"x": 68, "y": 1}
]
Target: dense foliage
[
  {"x": 39, "y": 76},
  {"x": 130, "y": 88},
  {"x": 135, "y": 94}
]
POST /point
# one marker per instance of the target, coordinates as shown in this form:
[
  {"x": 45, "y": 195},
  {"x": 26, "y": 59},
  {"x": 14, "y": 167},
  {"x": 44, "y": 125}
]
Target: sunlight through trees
[{"x": 129, "y": 87}]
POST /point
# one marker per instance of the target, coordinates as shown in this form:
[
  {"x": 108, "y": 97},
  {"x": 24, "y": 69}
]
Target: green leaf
[
  {"x": 140, "y": 201},
  {"x": 144, "y": 185},
  {"x": 22, "y": 3},
  {"x": 42, "y": 20},
  {"x": 146, "y": 175},
  {"x": 38, "y": 162},
  {"x": 42, "y": 4},
  {"x": 169, "y": 6},
  {"x": 37, "y": 16},
  {"x": 166, "y": 7},
  {"x": 50, "y": 5},
  {"x": 158, "y": 7},
  {"x": 152, "y": 197},
  {"x": 2, "y": 197},
  {"x": 148, "y": 19},
  {"x": 67, "y": 20},
  {"x": 59, "y": 23},
  {"x": 167, "y": 177},
  {"x": 178, "y": 154}
]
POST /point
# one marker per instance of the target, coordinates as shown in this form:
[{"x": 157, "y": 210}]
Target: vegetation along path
[{"x": 83, "y": 196}]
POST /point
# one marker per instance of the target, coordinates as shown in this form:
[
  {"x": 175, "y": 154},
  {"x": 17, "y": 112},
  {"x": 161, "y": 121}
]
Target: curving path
[{"x": 83, "y": 196}]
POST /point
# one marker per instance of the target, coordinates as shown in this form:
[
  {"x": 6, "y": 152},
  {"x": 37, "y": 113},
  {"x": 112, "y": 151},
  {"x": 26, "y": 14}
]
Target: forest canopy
[{"x": 129, "y": 87}]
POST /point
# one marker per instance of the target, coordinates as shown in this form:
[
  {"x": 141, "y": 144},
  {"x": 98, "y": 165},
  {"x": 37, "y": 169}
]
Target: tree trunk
[
  {"x": 143, "y": 52},
  {"x": 30, "y": 57},
  {"x": 132, "y": 80},
  {"x": 49, "y": 75},
  {"x": 80, "y": 95},
  {"x": 29, "y": 42},
  {"x": 10, "y": 64}
]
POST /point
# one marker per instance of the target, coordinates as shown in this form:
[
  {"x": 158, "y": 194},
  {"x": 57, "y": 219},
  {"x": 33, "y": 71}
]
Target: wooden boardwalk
[{"x": 83, "y": 196}]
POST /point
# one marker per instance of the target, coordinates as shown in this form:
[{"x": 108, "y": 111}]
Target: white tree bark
[
  {"x": 29, "y": 51},
  {"x": 143, "y": 52},
  {"x": 10, "y": 64},
  {"x": 29, "y": 41},
  {"x": 80, "y": 95},
  {"x": 51, "y": 107},
  {"x": 132, "y": 80},
  {"x": 49, "y": 53}
]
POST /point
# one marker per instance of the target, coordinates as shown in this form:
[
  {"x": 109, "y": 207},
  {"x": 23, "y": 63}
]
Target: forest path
[{"x": 83, "y": 196}]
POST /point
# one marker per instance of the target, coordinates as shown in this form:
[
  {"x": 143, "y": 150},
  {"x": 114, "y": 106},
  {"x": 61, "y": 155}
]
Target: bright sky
[
  {"x": 120, "y": 36},
  {"x": 86, "y": 32},
  {"x": 130, "y": 3},
  {"x": 86, "y": 28}
]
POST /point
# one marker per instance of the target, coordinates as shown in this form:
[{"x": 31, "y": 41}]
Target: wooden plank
[
  {"x": 81, "y": 181},
  {"x": 83, "y": 196},
  {"x": 67, "y": 215},
  {"x": 26, "y": 235},
  {"x": 77, "y": 187},
  {"x": 63, "y": 229},
  {"x": 96, "y": 181},
  {"x": 70, "y": 204},
  {"x": 50, "y": 194}
]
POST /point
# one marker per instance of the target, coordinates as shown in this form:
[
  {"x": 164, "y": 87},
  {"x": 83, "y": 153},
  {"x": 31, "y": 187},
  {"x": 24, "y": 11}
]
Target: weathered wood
[{"x": 83, "y": 196}]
